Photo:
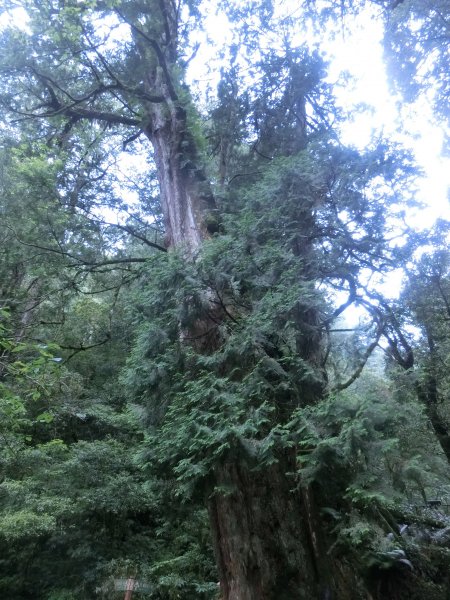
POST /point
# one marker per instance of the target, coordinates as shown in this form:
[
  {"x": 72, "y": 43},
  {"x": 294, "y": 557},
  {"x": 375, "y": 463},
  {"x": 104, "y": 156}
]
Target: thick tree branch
[{"x": 80, "y": 113}]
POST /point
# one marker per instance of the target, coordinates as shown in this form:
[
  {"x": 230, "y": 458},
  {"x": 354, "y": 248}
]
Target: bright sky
[{"x": 360, "y": 53}]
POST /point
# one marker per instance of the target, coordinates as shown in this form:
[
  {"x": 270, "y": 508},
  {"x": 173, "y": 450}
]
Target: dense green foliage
[{"x": 130, "y": 375}]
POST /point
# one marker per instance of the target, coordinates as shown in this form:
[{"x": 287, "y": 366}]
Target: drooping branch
[
  {"x": 401, "y": 350},
  {"x": 76, "y": 109},
  {"x": 78, "y": 112},
  {"x": 87, "y": 263},
  {"x": 399, "y": 346},
  {"x": 113, "y": 261},
  {"x": 133, "y": 232},
  {"x": 82, "y": 348}
]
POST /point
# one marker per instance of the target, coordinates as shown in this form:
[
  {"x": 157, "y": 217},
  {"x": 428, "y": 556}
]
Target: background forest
[{"x": 201, "y": 384}]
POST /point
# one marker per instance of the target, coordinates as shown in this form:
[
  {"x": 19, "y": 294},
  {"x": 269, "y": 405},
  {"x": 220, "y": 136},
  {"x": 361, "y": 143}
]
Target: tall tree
[
  {"x": 237, "y": 344},
  {"x": 151, "y": 99}
]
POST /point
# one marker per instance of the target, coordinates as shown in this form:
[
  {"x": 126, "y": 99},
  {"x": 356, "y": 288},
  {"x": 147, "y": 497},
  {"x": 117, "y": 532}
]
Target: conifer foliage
[{"x": 183, "y": 402}]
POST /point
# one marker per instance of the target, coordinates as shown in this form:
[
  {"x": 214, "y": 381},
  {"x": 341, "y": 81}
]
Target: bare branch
[
  {"x": 82, "y": 348},
  {"x": 81, "y": 262},
  {"x": 350, "y": 300}
]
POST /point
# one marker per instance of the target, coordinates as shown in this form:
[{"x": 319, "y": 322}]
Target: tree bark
[
  {"x": 263, "y": 549},
  {"x": 186, "y": 196}
]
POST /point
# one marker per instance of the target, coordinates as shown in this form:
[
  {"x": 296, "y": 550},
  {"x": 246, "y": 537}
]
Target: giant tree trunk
[
  {"x": 265, "y": 541},
  {"x": 266, "y": 537},
  {"x": 265, "y": 544}
]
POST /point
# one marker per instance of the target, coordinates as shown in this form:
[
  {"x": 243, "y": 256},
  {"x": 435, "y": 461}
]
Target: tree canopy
[{"x": 187, "y": 397}]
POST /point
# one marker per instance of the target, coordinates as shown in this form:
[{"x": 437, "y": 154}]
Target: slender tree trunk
[
  {"x": 22, "y": 303},
  {"x": 427, "y": 387},
  {"x": 427, "y": 394}
]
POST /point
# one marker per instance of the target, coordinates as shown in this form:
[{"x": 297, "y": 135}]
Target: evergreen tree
[{"x": 229, "y": 369}]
